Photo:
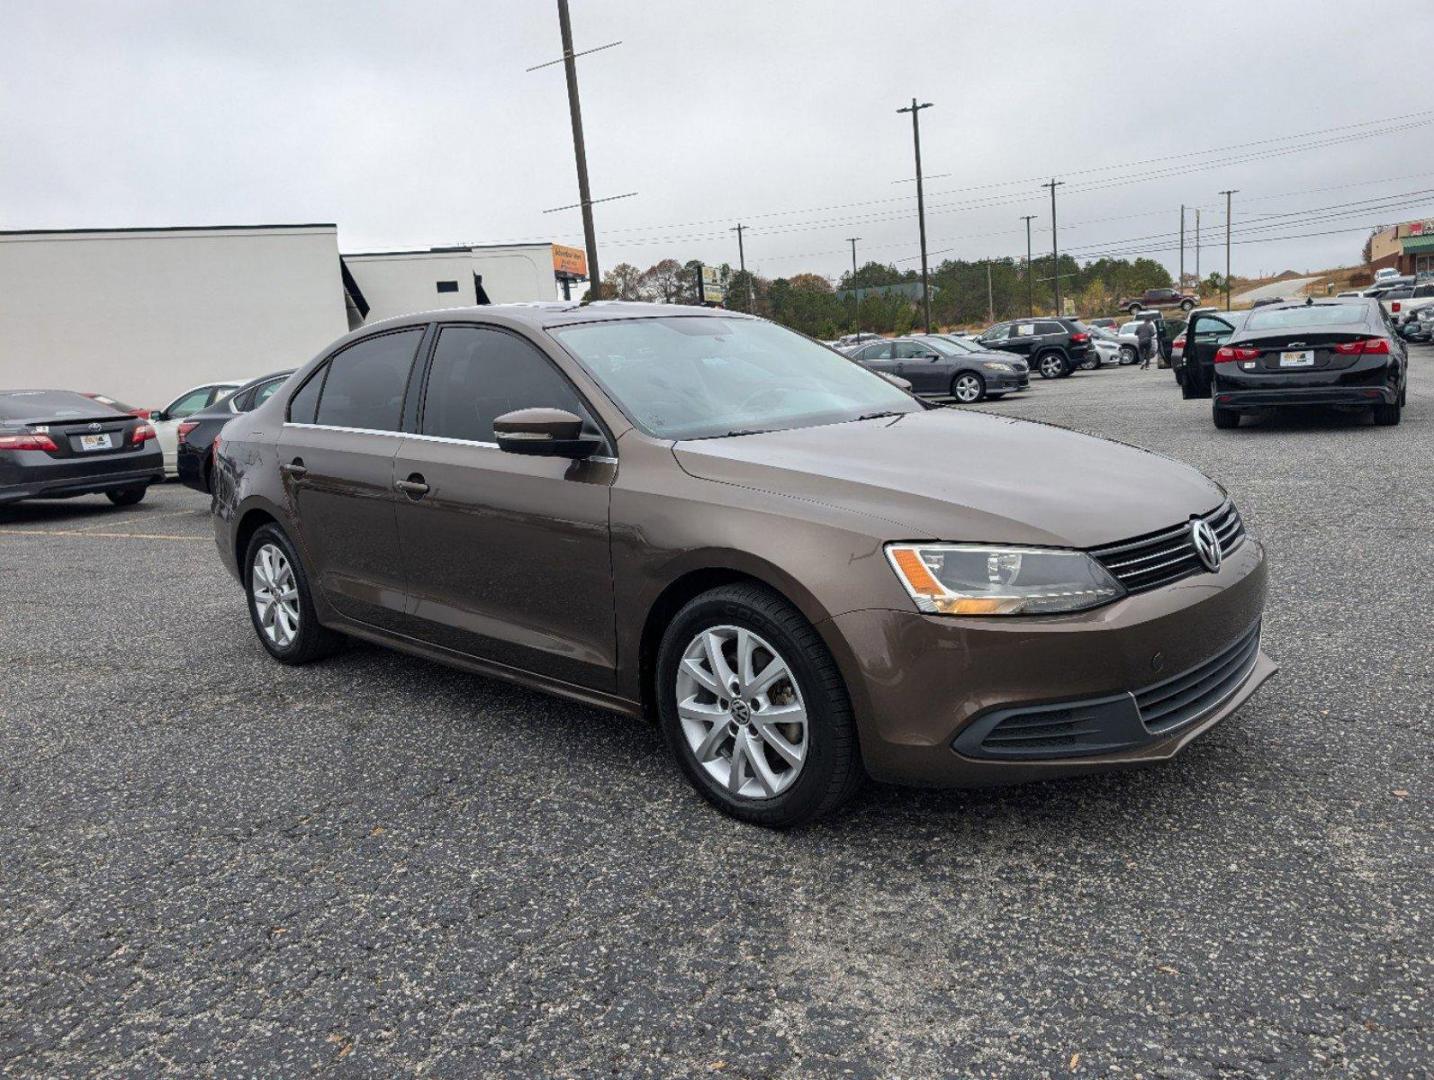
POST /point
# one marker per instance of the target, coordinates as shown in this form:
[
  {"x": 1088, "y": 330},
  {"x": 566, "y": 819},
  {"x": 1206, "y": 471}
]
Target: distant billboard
[
  {"x": 570, "y": 261},
  {"x": 713, "y": 291}
]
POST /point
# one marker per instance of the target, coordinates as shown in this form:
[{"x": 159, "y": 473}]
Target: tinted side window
[
  {"x": 366, "y": 382},
  {"x": 1049, "y": 328},
  {"x": 878, "y": 352},
  {"x": 479, "y": 374},
  {"x": 910, "y": 350},
  {"x": 304, "y": 405}
]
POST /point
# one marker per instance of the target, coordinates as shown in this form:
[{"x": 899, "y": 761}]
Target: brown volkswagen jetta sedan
[{"x": 802, "y": 573}]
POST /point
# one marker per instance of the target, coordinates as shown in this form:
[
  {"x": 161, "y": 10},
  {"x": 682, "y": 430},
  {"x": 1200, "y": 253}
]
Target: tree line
[{"x": 963, "y": 293}]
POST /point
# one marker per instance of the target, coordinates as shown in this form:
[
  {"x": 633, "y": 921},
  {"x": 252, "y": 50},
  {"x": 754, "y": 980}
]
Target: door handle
[
  {"x": 414, "y": 487},
  {"x": 296, "y": 468}
]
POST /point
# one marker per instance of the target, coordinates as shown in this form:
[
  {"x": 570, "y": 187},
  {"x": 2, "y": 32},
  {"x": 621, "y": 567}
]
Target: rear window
[
  {"x": 1306, "y": 316},
  {"x": 54, "y": 404}
]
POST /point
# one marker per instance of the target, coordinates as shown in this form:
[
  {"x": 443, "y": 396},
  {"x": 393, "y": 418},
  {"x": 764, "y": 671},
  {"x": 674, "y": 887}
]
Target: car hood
[
  {"x": 952, "y": 474},
  {"x": 990, "y": 354}
]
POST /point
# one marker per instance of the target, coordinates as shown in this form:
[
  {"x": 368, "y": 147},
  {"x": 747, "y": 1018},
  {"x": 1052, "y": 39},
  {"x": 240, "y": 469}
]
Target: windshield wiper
[
  {"x": 746, "y": 431},
  {"x": 880, "y": 415}
]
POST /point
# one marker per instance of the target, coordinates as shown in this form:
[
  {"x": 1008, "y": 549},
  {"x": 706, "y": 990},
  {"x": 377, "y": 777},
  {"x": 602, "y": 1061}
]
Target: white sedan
[{"x": 166, "y": 420}]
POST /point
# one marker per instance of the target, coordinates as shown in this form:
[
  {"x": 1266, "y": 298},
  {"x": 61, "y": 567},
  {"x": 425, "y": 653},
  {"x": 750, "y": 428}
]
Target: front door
[
  {"x": 919, "y": 364},
  {"x": 336, "y": 454},
  {"x": 506, "y": 556}
]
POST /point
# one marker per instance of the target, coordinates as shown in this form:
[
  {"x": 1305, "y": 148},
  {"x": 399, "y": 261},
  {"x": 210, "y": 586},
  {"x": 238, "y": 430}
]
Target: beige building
[{"x": 1408, "y": 248}]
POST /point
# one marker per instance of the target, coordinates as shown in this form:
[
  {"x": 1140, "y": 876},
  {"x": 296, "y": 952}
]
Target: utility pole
[
  {"x": 915, "y": 111},
  {"x": 1227, "y": 195},
  {"x": 1197, "y": 247},
  {"x": 579, "y": 148},
  {"x": 856, "y": 294},
  {"x": 742, "y": 264},
  {"x": 990, "y": 300},
  {"x": 1030, "y": 277},
  {"x": 1055, "y": 248},
  {"x": 1182, "y": 247}
]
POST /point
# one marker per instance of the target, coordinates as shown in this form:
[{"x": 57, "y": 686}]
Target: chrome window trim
[{"x": 600, "y": 458}]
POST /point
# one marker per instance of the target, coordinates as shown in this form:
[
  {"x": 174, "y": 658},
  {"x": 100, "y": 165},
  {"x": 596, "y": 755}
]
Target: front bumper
[
  {"x": 1305, "y": 395},
  {"x": 998, "y": 382},
  {"x": 926, "y": 688}
]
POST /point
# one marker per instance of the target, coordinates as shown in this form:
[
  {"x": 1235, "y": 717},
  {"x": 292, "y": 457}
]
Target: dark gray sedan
[
  {"x": 941, "y": 366},
  {"x": 55, "y": 444}
]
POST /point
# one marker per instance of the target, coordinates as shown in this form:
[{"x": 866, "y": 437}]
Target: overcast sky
[{"x": 412, "y": 124}]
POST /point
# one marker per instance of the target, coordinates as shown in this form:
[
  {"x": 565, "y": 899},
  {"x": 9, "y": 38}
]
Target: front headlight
[
  {"x": 975, "y": 579},
  {"x": 996, "y": 365}
]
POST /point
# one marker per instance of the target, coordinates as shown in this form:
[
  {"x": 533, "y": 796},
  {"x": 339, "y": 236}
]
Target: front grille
[
  {"x": 1176, "y": 702},
  {"x": 1156, "y": 559}
]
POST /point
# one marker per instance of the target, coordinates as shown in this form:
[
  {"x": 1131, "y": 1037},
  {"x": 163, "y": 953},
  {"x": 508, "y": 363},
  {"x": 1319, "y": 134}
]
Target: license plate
[
  {"x": 95, "y": 442},
  {"x": 1305, "y": 358}
]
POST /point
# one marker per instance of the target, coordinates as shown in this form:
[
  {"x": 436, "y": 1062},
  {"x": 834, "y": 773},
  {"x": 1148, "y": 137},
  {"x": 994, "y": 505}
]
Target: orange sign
[{"x": 570, "y": 260}]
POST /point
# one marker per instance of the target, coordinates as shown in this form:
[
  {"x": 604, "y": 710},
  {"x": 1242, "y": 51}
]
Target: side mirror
[
  {"x": 544, "y": 433},
  {"x": 158, "y": 414}
]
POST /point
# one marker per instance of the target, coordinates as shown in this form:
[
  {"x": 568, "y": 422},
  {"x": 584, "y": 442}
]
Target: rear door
[
  {"x": 336, "y": 454},
  {"x": 507, "y": 555},
  {"x": 877, "y": 357},
  {"x": 1204, "y": 334}
]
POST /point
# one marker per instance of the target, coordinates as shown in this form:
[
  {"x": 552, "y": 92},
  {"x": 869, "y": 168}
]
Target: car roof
[{"x": 548, "y": 314}]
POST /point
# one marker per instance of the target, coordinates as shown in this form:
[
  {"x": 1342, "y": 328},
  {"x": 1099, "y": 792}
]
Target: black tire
[
  {"x": 1387, "y": 415},
  {"x": 1225, "y": 418},
  {"x": 1091, "y": 361},
  {"x": 1134, "y": 309},
  {"x": 127, "y": 496},
  {"x": 967, "y": 377},
  {"x": 1187, "y": 305},
  {"x": 1127, "y": 355},
  {"x": 832, "y": 770},
  {"x": 312, "y": 641},
  {"x": 1052, "y": 365}
]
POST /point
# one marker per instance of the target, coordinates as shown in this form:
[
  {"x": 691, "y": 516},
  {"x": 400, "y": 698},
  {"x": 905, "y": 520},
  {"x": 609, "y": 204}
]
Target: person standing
[{"x": 1145, "y": 338}]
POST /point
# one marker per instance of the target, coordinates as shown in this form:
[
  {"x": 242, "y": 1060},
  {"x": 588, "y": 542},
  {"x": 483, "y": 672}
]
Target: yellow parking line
[
  {"x": 97, "y": 535},
  {"x": 148, "y": 517}
]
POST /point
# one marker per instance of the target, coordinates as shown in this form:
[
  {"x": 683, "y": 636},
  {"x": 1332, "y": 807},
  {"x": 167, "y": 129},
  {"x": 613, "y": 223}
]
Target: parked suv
[
  {"x": 803, "y": 575},
  {"x": 1160, "y": 298},
  {"x": 1052, "y": 346}
]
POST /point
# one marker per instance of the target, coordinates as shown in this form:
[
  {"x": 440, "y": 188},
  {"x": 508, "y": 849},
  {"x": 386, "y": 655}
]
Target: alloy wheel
[
  {"x": 1051, "y": 366},
  {"x": 275, "y": 595},
  {"x": 742, "y": 712},
  {"x": 968, "y": 389}
]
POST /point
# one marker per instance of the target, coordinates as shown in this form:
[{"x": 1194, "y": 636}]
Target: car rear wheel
[
  {"x": 126, "y": 496},
  {"x": 1187, "y": 305},
  {"x": 1091, "y": 362},
  {"x": 1225, "y": 418},
  {"x": 280, "y": 603},
  {"x": 1387, "y": 415},
  {"x": 1051, "y": 365},
  {"x": 968, "y": 387},
  {"x": 1134, "y": 309},
  {"x": 754, "y": 709}
]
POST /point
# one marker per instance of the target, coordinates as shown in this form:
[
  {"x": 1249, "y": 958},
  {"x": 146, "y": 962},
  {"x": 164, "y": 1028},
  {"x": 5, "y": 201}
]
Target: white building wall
[
  {"x": 141, "y": 315},
  {"x": 402, "y": 282}
]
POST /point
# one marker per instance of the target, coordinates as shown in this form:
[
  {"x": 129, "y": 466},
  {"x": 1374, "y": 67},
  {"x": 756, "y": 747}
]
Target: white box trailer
[
  {"x": 142, "y": 314},
  {"x": 402, "y": 282}
]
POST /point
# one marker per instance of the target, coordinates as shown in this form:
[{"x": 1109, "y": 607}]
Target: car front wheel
[
  {"x": 968, "y": 387},
  {"x": 1127, "y": 356},
  {"x": 281, "y": 606},
  {"x": 753, "y": 707}
]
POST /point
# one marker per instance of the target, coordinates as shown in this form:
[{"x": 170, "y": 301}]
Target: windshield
[
  {"x": 694, "y": 377},
  {"x": 950, "y": 346},
  {"x": 1306, "y": 315}
]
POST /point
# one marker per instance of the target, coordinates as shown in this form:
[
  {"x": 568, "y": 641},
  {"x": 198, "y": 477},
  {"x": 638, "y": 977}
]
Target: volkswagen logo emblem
[
  {"x": 1207, "y": 544},
  {"x": 741, "y": 712}
]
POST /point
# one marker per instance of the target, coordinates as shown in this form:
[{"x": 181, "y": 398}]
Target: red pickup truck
[{"x": 1159, "y": 298}]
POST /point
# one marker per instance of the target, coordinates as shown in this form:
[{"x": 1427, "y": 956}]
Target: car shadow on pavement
[{"x": 1306, "y": 419}]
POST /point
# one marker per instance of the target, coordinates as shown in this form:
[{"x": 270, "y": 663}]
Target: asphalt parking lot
[{"x": 211, "y": 864}]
